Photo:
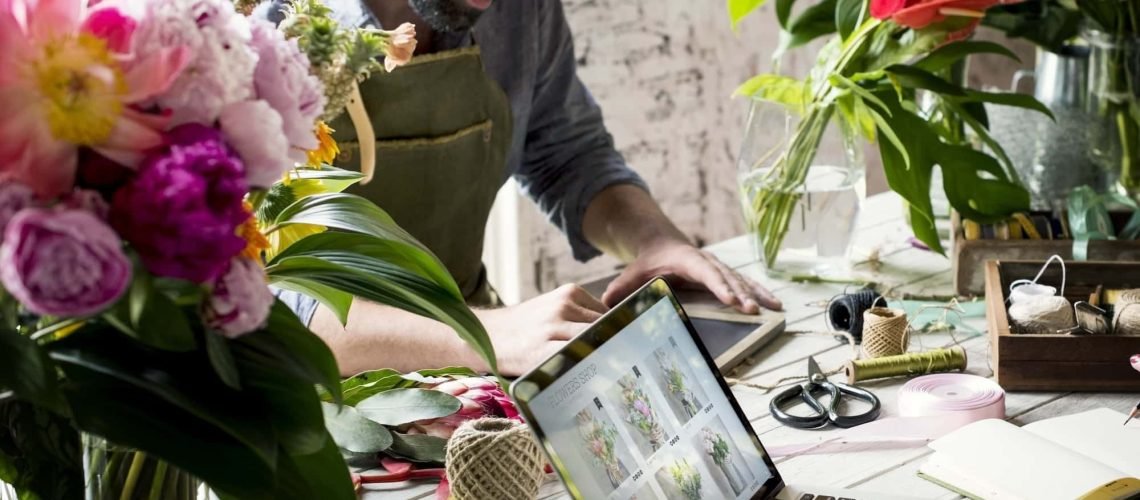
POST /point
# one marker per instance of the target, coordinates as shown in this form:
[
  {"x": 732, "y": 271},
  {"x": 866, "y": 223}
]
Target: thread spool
[
  {"x": 885, "y": 332},
  {"x": 1126, "y": 315},
  {"x": 845, "y": 312},
  {"x": 1043, "y": 315},
  {"x": 1135, "y": 362},
  {"x": 907, "y": 365},
  {"x": 492, "y": 459}
]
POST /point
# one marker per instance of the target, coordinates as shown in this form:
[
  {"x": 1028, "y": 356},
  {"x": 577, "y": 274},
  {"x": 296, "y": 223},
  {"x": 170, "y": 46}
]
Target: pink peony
[
  {"x": 88, "y": 200},
  {"x": 14, "y": 197},
  {"x": 253, "y": 129},
  {"x": 69, "y": 79},
  {"x": 181, "y": 212},
  {"x": 481, "y": 397},
  {"x": 241, "y": 299},
  {"x": 63, "y": 263},
  {"x": 283, "y": 80},
  {"x": 220, "y": 71}
]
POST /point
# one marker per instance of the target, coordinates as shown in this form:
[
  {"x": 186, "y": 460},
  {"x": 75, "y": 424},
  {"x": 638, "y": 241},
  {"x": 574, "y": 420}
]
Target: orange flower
[
  {"x": 255, "y": 242},
  {"x": 326, "y": 150},
  {"x": 401, "y": 46}
]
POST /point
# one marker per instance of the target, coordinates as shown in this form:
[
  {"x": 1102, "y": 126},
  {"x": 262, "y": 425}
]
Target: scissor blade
[{"x": 813, "y": 367}]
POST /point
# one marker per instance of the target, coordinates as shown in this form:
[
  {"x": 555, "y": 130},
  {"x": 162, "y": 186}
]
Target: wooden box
[
  {"x": 1028, "y": 362},
  {"x": 970, "y": 256}
]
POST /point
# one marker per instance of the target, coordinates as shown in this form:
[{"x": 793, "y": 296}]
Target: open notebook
[{"x": 1087, "y": 456}]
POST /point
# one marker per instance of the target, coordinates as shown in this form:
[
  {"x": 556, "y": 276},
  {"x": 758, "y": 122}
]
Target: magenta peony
[
  {"x": 481, "y": 397},
  {"x": 63, "y": 263},
  {"x": 241, "y": 299},
  {"x": 283, "y": 80},
  {"x": 181, "y": 211},
  {"x": 14, "y": 196},
  {"x": 253, "y": 129}
]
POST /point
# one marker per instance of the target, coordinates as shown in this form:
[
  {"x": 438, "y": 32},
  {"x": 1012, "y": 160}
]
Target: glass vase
[
  {"x": 114, "y": 472},
  {"x": 1114, "y": 83},
  {"x": 801, "y": 185}
]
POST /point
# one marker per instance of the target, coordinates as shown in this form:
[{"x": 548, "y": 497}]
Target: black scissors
[{"x": 824, "y": 415}]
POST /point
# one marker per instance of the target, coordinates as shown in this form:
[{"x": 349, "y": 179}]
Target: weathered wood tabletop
[{"x": 906, "y": 270}]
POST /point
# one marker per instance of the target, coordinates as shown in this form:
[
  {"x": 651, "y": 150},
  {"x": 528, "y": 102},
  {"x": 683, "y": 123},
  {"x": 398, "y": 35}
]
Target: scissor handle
[
  {"x": 848, "y": 421},
  {"x": 803, "y": 392}
]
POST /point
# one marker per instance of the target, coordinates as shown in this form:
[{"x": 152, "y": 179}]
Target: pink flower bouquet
[{"x": 153, "y": 155}]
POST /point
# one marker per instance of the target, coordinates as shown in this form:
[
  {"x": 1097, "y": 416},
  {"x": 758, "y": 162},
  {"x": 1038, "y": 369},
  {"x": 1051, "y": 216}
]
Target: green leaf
[
  {"x": 886, "y": 131},
  {"x": 286, "y": 342},
  {"x": 1024, "y": 101},
  {"x": 419, "y": 448},
  {"x": 814, "y": 22},
  {"x": 788, "y": 92},
  {"x": 154, "y": 318},
  {"x": 355, "y": 214},
  {"x": 1047, "y": 24},
  {"x": 26, "y": 370},
  {"x": 848, "y": 15},
  {"x": 842, "y": 82},
  {"x": 39, "y": 452},
  {"x": 322, "y": 475},
  {"x": 222, "y": 360},
  {"x": 983, "y": 134},
  {"x": 426, "y": 376},
  {"x": 977, "y": 196},
  {"x": 909, "y": 171},
  {"x": 401, "y": 406},
  {"x": 334, "y": 179},
  {"x": 335, "y": 300},
  {"x": 917, "y": 78},
  {"x": 784, "y": 12},
  {"x": 297, "y": 420},
  {"x": 353, "y": 432},
  {"x": 739, "y": 9},
  {"x": 364, "y": 385},
  {"x": 382, "y": 282},
  {"x": 949, "y": 54}
]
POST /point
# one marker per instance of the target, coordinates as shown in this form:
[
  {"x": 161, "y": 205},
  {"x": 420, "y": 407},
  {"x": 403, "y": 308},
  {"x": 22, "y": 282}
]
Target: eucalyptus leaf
[
  {"x": 419, "y": 448},
  {"x": 949, "y": 54},
  {"x": 222, "y": 360},
  {"x": 739, "y": 9},
  {"x": 353, "y": 432},
  {"x": 401, "y": 406}
]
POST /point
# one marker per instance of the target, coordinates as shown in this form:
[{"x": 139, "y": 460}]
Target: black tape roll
[{"x": 845, "y": 312}]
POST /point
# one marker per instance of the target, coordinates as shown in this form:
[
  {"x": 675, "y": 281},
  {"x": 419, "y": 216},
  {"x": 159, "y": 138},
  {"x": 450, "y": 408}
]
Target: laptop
[{"x": 633, "y": 408}]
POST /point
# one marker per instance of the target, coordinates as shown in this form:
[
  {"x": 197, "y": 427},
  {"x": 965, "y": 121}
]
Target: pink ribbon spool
[
  {"x": 1136, "y": 362},
  {"x": 953, "y": 396}
]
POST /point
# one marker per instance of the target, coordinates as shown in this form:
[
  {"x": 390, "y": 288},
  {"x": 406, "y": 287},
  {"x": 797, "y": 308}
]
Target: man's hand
[
  {"x": 528, "y": 333},
  {"x": 695, "y": 268}
]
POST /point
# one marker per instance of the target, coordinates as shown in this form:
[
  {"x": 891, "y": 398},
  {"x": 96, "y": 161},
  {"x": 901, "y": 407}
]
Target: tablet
[{"x": 634, "y": 408}]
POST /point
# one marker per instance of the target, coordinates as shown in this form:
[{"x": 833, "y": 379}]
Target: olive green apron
[{"x": 443, "y": 130}]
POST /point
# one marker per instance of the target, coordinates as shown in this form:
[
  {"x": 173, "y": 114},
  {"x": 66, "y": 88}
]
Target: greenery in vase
[
  {"x": 879, "y": 56},
  {"x": 716, "y": 446},
  {"x": 687, "y": 478},
  {"x": 600, "y": 439},
  {"x": 1112, "y": 29},
  {"x": 142, "y": 220},
  {"x": 675, "y": 382},
  {"x": 639, "y": 411}
]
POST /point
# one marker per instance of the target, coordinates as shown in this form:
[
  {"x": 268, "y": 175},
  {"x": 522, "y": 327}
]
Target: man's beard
[{"x": 446, "y": 15}]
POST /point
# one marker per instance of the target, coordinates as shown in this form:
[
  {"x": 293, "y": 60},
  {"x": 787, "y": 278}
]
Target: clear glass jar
[
  {"x": 114, "y": 472},
  {"x": 1114, "y": 83},
  {"x": 805, "y": 173}
]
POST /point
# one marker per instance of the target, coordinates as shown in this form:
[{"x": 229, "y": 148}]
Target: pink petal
[
  {"x": 112, "y": 26},
  {"x": 133, "y": 135},
  {"x": 153, "y": 74},
  {"x": 124, "y": 157},
  {"x": 13, "y": 44},
  {"x": 395, "y": 466},
  {"x": 149, "y": 120},
  {"x": 53, "y": 17},
  {"x": 443, "y": 491}
]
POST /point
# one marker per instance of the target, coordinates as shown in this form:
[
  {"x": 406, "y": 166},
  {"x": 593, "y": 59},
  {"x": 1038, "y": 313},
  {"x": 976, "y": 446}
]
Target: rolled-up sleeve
[
  {"x": 302, "y": 305},
  {"x": 569, "y": 156}
]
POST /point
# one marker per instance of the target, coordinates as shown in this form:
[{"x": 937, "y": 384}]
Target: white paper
[
  {"x": 1017, "y": 464},
  {"x": 1097, "y": 434}
]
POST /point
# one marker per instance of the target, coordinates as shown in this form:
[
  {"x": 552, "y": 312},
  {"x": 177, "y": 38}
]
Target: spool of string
[
  {"x": 907, "y": 365},
  {"x": 845, "y": 312},
  {"x": 1126, "y": 318},
  {"x": 885, "y": 332},
  {"x": 1037, "y": 308},
  {"x": 493, "y": 459}
]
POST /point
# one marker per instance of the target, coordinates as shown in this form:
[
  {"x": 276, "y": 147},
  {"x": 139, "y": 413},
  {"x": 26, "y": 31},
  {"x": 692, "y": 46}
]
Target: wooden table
[{"x": 882, "y": 232}]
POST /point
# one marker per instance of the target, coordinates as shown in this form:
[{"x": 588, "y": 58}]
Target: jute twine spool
[
  {"x": 1126, "y": 319},
  {"x": 1043, "y": 315},
  {"x": 885, "y": 332},
  {"x": 494, "y": 459}
]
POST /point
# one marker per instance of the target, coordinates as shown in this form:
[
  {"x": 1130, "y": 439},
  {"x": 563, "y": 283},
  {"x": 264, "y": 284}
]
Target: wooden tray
[{"x": 1028, "y": 362}]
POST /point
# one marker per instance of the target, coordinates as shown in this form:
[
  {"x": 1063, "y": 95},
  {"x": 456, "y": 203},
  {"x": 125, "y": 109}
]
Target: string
[
  {"x": 911, "y": 364},
  {"x": 845, "y": 311},
  {"x": 1064, "y": 276},
  {"x": 798, "y": 378}
]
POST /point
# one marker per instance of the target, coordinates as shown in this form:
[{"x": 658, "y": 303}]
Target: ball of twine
[
  {"x": 494, "y": 459},
  {"x": 1042, "y": 314},
  {"x": 885, "y": 332},
  {"x": 1126, "y": 318}
]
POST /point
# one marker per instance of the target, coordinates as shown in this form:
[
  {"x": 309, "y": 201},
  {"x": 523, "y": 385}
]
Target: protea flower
[{"x": 481, "y": 397}]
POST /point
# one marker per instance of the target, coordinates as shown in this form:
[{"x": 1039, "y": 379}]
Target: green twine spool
[{"x": 907, "y": 365}]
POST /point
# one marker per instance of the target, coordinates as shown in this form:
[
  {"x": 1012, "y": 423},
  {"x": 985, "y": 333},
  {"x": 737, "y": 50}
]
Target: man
[{"x": 493, "y": 93}]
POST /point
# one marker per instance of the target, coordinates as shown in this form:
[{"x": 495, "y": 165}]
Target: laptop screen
[{"x": 637, "y": 412}]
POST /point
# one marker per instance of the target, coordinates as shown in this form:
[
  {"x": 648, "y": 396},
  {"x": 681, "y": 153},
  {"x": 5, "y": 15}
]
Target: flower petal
[
  {"x": 153, "y": 75},
  {"x": 49, "y": 18}
]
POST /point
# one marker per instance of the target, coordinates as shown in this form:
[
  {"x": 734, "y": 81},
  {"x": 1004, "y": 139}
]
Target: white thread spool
[
  {"x": 1126, "y": 318},
  {"x": 1036, "y": 308}
]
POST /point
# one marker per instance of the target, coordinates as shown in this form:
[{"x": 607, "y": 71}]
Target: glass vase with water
[{"x": 802, "y": 185}]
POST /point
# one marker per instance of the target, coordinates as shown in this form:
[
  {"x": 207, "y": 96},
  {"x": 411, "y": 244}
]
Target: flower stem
[
  {"x": 158, "y": 481},
  {"x": 133, "y": 475}
]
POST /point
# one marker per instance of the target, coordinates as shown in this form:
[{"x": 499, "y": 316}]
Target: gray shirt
[{"x": 561, "y": 153}]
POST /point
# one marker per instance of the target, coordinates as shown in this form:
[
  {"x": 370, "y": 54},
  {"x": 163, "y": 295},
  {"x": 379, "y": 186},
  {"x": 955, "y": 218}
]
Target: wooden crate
[
  {"x": 1028, "y": 362},
  {"x": 970, "y": 256}
]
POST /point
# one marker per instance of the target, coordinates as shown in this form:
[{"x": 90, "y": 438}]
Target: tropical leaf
[
  {"x": 908, "y": 164},
  {"x": 949, "y": 54},
  {"x": 287, "y": 344},
  {"x": 335, "y": 300},
  {"x": 26, "y": 370},
  {"x": 913, "y": 77},
  {"x": 401, "y": 406},
  {"x": 848, "y": 15},
  {"x": 222, "y": 359},
  {"x": 739, "y": 9},
  {"x": 150, "y": 316},
  {"x": 782, "y": 90},
  {"x": 334, "y": 180},
  {"x": 814, "y": 22},
  {"x": 1024, "y": 101},
  {"x": 321, "y": 475},
  {"x": 976, "y": 185}
]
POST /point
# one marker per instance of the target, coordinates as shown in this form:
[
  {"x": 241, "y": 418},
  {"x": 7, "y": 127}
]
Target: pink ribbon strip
[
  {"x": 930, "y": 407},
  {"x": 1136, "y": 362}
]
